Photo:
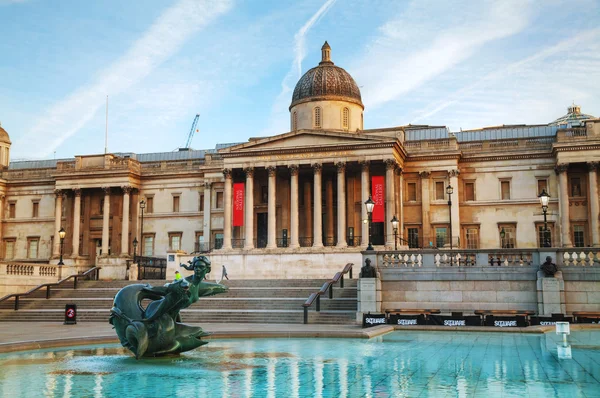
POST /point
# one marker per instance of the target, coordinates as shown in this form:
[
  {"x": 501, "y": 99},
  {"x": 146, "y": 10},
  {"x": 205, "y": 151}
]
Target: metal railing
[
  {"x": 91, "y": 274},
  {"x": 151, "y": 267},
  {"x": 305, "y": 241},
  {"x": 327, "y": 287},
  {"x": 237, "y": 243},
  {"x": 283, "y": 242}
]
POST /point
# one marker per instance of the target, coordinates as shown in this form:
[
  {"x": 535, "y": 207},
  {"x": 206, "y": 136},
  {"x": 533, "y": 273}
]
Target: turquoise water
[{"x": 400, "y": 364}]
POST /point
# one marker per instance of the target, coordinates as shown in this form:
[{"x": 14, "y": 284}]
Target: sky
[{"x": 463, "y": 64}]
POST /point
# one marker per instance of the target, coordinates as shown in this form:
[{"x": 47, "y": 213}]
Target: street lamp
[
  {"x": 135, "y": 243},
  {"x": 449, "y": 191},
  {"x": 544, "y": 198},
  {"x": 395, "y": 223},
  {"x": 369, "y": 204},
  {"x": 502, "y": 235},
  {"x": 142, "y": 206},
  {"x": 61, "y": 234}
]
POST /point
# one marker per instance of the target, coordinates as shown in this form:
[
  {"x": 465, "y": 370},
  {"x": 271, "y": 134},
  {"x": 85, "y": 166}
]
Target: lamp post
[
  {"x": 135, "y": 243},
  {"x": 369, "y": 204},
  {"x": 502, "y": 235},
  {"x": 61, "y": 234},
  {"x": 449, "y": 191},
  {"x": 395, "y": 222},
  {"x": 544, "y": 198},
  {"x": 142, "y": 206}
]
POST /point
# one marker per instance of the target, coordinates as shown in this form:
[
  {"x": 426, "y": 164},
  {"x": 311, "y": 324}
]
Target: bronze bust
[
  {"x": 549, "y": 267},
  {"x": 367, "y": 271}
]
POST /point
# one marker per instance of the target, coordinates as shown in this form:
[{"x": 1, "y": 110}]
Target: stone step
[{"x": 316, "y": 283}]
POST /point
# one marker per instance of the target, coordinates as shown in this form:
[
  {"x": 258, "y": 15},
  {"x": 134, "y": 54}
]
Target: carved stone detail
[
  {"x": 272, "y": 171},
  {"x": 293, "y": 169},
  {"x": 341, "y": 167},
  {"x": 249, "y": 171},
  {"x": 106, "y": 190},
  {"x": 58, "y": 192},
  {"x": 364, "y": 165},
  {"x": 207, "y": 184},
  {"x": 398, "y": 171},
  {"x": 593, "y": 166},
  {"x": 317, "y": 167},
  {"x": 424, "y": 174},
  {"x": 77, "y": 191},
  {"x": 390, "y": 164},
  {"x": 561, "y": 168},
  {"x": 227, "y": 173},
  {"x": 2, "y": 196},
  {"x": 453, "y": 173}
]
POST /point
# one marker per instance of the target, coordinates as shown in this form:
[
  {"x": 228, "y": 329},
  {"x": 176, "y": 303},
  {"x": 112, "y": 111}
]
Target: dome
[
  {"x": 4, "y": 136},
  {"x": 573, "y": 117},
  {"x": 326, "y": 82}
]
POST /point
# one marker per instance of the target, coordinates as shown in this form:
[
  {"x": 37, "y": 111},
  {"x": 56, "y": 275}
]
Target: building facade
[{"x": 304, "y": 191}]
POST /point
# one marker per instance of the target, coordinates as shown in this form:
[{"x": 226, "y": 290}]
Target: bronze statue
[
  {"x": 549, "y": 267},
  {"x": 367, "y": 271},
  {"x": 156, "y": 330}
]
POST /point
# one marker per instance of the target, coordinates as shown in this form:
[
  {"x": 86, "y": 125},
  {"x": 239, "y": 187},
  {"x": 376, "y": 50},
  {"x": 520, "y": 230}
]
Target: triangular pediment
[{"x": 305, "y": 139}]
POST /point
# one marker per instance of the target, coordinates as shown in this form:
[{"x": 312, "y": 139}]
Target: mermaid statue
[{"x": 156, "y": 329}]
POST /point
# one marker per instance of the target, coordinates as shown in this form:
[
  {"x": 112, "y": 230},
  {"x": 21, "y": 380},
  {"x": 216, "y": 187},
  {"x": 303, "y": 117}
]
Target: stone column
[
  {"x": 294, "y": 241},
  {"x": 125, "y": 222},
  {"x": 425, "y": 209},
  {"x": 57, "y": 222},
  {"x": 228, "y": 209},
  {"x": 249, "y": 209},
  {"x": 329, "y": 208},
  {"x": 308, "y": 221},
  {"x": 399, "y": 203},
  {"x": 364, "y": 189},
  {"x": 272, "y": 208},
  {"x": 563, "y": 200},
  {"x": 2, "y": 197},
  {"x": 206, "y": 214},
  {"x": 318, "y": 223},
  {"x": 341, "y": 205},
  {"x": 76, "y": 221},
  {"x": 594, "y": 205},
  {"x": 105, "y": 221},
  {"x": 390, "y": 204},
  {"x": 453, "y": 174}
]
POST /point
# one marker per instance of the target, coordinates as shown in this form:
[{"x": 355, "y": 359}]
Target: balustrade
[{"x": 576, "y": 258}]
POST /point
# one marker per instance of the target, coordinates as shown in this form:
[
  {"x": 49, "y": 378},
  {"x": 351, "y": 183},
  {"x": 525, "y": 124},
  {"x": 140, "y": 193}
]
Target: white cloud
[{"x": 163, "y": 39}]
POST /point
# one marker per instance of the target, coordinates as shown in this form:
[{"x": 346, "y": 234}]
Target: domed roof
[
  {"x": 573, "y": 117},
  {"x": 326, "y": 82},
  {"x": 4, "y": 135}
]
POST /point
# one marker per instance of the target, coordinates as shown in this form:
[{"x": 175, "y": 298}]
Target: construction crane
[{"x": 191, "y": 134}]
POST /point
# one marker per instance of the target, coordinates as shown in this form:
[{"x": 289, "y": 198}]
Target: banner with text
[
  {"x": 238, "y": 204},
  {"x": 378, "y": 196}
]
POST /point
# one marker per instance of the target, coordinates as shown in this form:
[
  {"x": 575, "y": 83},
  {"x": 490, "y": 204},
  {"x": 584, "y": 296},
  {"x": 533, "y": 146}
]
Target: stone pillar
[
  {"x": 76, "y": 221},
  {"x": 329, "y": 233},
  {"x": 318, "y": 223},
  {"x": 551, "y": 294},
  {"x": 294, "y": 242},
  {"x": 206, "y": 212},
  {"x": 125, "y": 222},
  {"x": 453, "y": 174},
  {"x": 105, "y": 221},
  {"x": 272, "y": 208},
  {"x": 228, "y": 209},
  {"x": 563, "y": 200},
  {"x": 341, "y": 205},
  {"x": 308, "y": 215},
  {"x": 390, "y": 204},
  {"x": 57, "y": 222},
  {"x": 364, "y": 189},
  {"x": 594, "y": 205},
  {"x": 425, "y": 209},
  {"x": 399, "y": 203},
  {"x": 249, "y": 209}
]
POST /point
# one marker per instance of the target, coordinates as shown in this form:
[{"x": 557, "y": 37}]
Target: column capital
[
  {"x": 2, "y": 196},
  {"x": 364, "y": 165},
  {"x": 58, "y": 192},
  {"x": 593, "y": 166},
  {"x": 398, "y": 171},
  {"x": 106, "y": 190},
  {"x": 207, "y": 184},
  {"x": 561, "y": 168},
  {"x": 453, "y": 173},
  {"x": 341, "y": 167},
  {"x": 249, "y": 171},
  {"x": 127, "y": 189},
  {"x": 390, "y": 164},
  {"x": 227, "y": 173},
  {"x": 317, "y": 167},
  {"x": 424, "y": 174},
  {"x": 272, "y": 170},
  {"x": 77, "y": 192},
  {"x": 293, "y": 169}
]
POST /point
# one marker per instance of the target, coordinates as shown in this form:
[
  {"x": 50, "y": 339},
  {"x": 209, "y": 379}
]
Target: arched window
[
  {"x": 346, "y": 118},
  {"x": 295, "y": 121},
  {"x": 317, "y": 117}
]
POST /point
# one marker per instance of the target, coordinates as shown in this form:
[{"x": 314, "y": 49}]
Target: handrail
[
  {"x": 327, "y": 286},
  {"x": 75, "y": 277}
]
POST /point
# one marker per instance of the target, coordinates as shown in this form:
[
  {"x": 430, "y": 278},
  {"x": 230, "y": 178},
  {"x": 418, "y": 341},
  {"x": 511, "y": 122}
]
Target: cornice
[
  {"x": 489, "y": 158},
  {"x": 572, "y": 148},
  {"x": 283, "y": 151},
  {"x": 428, "y": 156}
]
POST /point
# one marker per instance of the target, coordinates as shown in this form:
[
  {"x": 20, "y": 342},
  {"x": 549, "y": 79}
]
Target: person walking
[{"x": 224, "y": 273}]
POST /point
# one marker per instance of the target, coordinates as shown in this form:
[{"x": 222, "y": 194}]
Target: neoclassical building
[{"x": 303, "y": 191}]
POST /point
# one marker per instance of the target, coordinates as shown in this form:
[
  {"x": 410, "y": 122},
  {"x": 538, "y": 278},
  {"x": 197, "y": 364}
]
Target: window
[
  {"x": 12, "y": 209},
  {"x": 35, "y": 211},
  {"x": 411, "y": 191},
  {"x": 176, "y": 204},
  {"x": 346, "y": 118},
  {"x": 575, "y": 186},
  {"x": 295, "y": 121},
  {"x": 441, "y": 234},
  {"x": 264, "y": 194},
  {"x": 32, "y": 247},
  {"x": 175, "y": 240},
  {"x": 578, "y": 236},
  {"x": 541, "y": 237},
  {"x": 542, "y": 185},
  {"x": 220, "y": 204},
  {"x": 201, "y": 203},
  {"x": 9, "y": 249},
  {"x": 218, "y": 240},
  {"x": 472, "y": 237},
  {"x": 469, "y": 191},
  {"x": 150, "y": 204},
  {"x": 200, "y": 246},
  {"x": 505, "y": 189},
  {"x": 439, "y": 190},
  {"x": 508, "y": 236},
  {"x": 317, "y": 117},
  {"x": 148, "y": 249},
  {"x": 413, "y": 238}
]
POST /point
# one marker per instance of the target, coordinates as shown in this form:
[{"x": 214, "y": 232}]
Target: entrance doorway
[
  {"x": 377, "y": 234},
  {"x": 262, "y": 229}
]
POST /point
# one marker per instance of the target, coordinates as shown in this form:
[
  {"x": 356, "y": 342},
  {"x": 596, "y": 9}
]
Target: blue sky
[{"x": 463, "y": 64}]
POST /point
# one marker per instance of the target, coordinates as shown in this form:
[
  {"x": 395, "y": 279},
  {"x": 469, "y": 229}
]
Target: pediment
[{"x": 305, "y": 139}]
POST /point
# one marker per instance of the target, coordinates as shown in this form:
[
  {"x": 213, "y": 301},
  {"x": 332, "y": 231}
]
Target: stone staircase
[{"x": 251, "y": 301}]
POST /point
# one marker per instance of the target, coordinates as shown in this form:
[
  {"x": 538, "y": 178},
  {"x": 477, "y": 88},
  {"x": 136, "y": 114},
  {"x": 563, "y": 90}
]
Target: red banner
[
  {"x": 378, "y": 196},
  {"x": 238, "y": 204}
]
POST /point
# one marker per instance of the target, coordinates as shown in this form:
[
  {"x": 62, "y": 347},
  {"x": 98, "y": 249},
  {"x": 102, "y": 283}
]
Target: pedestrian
[
  {"x": 177, "y": 276},
  {"x": 224, "y": 274}
]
